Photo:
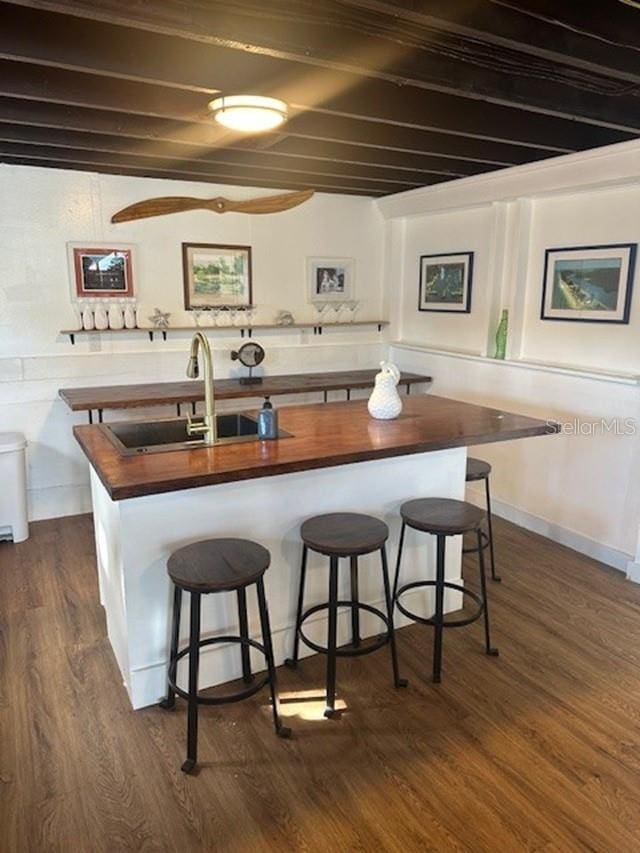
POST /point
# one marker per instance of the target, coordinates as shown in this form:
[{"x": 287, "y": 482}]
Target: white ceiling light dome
[{"x": 248, "y": 113}]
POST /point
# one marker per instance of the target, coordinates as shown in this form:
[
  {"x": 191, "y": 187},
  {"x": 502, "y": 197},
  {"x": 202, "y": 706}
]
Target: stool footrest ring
[
  {"x": 218, "y": 700},
  {"x": 362, "y": 650},
  {"x": 451, "y": 623},
  {"x": 473, "y": 549}
]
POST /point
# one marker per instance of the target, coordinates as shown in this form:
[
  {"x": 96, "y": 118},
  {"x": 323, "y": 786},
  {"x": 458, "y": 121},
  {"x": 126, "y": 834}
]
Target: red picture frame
[{"x": 102, "y": 273}]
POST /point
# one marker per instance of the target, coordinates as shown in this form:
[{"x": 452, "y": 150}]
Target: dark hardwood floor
[{"x": 538, "y": 750}]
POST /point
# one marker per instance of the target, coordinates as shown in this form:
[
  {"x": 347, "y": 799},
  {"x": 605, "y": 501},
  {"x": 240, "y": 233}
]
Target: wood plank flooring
[{"x": 538, "y": 750}]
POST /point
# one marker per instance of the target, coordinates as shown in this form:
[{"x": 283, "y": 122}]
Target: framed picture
[
  {"x": 331, "y": 279},
  {"x": 101, "y": 271},
  {"x": 589, "y": 284},
  {"x": 445, "y": 283},
  {"x": 216, "y": 275}
]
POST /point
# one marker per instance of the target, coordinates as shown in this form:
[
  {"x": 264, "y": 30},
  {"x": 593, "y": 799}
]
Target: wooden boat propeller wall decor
[{"x": 179, "y": 204}]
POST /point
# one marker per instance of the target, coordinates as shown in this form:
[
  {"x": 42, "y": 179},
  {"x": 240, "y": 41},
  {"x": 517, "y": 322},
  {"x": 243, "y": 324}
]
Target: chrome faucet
[{"x": 206, "y": 426}]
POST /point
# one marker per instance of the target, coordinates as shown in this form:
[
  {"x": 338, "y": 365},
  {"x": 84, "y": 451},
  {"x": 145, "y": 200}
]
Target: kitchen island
[{"x": 336, "y": 458}]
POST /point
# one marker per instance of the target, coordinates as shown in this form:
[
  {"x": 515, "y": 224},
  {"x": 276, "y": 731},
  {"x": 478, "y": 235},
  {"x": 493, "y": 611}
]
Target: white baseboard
[
  {"x": 59, "y": 501},
  {"x": 577, "y": 541}
]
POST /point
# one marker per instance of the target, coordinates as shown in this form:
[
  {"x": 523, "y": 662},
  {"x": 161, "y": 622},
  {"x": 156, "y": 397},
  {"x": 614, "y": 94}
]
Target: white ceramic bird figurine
[{"x": 385, "y": 402}]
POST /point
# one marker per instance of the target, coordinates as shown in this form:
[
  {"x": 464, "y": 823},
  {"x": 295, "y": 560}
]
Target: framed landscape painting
[
  {"x": 216, "y": 275},
  {"x": 330, "y": 279},
  {"x": 445, "y": 283},
  {"x": 101, "y": 271},
  {"x": 589, "y": 284}
]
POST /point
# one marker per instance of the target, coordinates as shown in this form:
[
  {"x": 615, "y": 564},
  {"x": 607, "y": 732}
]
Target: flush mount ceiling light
[{"x": 248, "y": 113}]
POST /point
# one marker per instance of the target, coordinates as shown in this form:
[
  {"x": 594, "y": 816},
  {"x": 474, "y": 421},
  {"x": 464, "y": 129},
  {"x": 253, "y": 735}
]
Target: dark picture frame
[
  {"x": 216, "y": 275},
  {"x": 445, "y": 282},
  {"x": 102, "y": 273},
  {"x": 589, "y": 284}
]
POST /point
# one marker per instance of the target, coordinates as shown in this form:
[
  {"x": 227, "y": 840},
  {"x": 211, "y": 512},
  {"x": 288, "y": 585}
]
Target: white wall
[
  {"x": 465, "y": 231},
  {"x": 587, "y": 219},
  {"x": 583, "y": 490},
  {"x": 42, "y": 209}
]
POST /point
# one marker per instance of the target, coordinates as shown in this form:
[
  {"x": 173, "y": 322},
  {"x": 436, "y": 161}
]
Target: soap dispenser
[{"x": 267, "y": 421}]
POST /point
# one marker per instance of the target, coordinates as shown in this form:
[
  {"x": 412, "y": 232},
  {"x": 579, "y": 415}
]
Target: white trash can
[{"x": 13, "y": 487}]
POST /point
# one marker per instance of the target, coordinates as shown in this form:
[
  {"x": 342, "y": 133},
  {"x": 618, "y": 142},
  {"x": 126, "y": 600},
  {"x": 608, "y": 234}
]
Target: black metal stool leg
[
  {"x": 281, "y": 730},
  {"x": 399, "y": 682},
  {"x": 355, "y": 598},
  {"x": 487, "y": 490},
  {"x": 332, "y": 637},
  {"x": 483, "y": 586},
  {"x": 293, "y": 660},
  {"x": 192, "y": 709},
  {"x": 400, "y": 547},
  {"x": 169, "y": 702},
  {"x": 244, "y": 633},
  {"x": 439, "y": 611}
]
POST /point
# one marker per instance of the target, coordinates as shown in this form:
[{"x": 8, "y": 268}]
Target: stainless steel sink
[{"x": 160, "y": 436}]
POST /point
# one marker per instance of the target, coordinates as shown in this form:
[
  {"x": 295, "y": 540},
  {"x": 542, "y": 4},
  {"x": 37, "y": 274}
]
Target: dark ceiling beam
[
  {"x": 373, "y": 42},
  {"x": 195, "y": 171},
  {"x": 44, "y": 37},
  {"x": 164, "y": 174},
  {"x": 30, "y": 120},
  {"x": 564, "y": 32},
  {"x": 292, "y": 146},
  {"x": 376, "y": 139},
  {"x": 311, "y": 169}
]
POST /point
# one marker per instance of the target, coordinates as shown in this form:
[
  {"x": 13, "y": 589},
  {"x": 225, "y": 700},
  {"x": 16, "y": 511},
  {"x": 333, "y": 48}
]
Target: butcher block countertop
[
  {"x": 322, "y": 436},
  {"x": 188, "y": 391}
]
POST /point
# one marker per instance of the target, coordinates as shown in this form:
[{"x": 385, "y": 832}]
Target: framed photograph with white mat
[
  {"x": 589, "y": 284},
  {"x": 331, "y": 279}
]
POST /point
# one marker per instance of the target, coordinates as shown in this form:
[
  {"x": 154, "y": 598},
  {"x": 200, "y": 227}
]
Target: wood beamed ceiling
[{"x": 384, "y": 96}]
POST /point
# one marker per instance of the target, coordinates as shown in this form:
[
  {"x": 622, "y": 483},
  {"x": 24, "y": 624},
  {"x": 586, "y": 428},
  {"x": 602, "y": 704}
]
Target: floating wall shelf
[{"x": 248, "y": 330}]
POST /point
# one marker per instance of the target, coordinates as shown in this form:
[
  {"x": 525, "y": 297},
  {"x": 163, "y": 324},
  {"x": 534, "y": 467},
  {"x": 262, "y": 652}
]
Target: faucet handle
[{"x": 196, "y": 427}]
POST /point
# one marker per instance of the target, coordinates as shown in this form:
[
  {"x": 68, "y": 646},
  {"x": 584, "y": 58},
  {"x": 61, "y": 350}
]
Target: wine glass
[
  {"x": 216, "y": 313},
  {"x": 233, "y": 313},
  {"x": 352, "y": 306},
  {"x": 197, "y": 313},
  {"x": 321, "y": 308}
]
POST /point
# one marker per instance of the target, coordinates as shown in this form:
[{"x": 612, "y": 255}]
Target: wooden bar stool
[
  {"x": 210, "y": 566},
  {"x": 443, "y": 517},
  {"x": 352, "y": 535},
  {"x": 478, "y": 469}
]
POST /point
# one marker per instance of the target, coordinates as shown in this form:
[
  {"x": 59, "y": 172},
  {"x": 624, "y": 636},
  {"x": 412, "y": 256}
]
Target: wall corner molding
[
  {"x": 633, "y": 571},
  {"x": 597, "y": 168}
]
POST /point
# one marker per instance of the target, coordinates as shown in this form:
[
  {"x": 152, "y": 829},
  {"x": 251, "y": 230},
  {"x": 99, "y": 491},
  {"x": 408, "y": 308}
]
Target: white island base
[{"x": 134, "y": 538}]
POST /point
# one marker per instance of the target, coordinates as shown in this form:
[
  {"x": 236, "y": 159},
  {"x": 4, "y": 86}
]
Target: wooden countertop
[
  {"x": 323, "y": 435},
  {"x": 190, "y": 391}
]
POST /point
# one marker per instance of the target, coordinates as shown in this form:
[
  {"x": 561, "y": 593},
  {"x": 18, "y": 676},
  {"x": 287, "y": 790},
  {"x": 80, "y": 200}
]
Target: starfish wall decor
[{"x": 160, "y": 319}]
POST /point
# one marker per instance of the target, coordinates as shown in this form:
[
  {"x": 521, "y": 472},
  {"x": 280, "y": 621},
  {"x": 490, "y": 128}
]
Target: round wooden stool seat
[
  {"x": 441, "y": 516},
  {"x": 344, "y": 534},
  {"x": 218, "y": 565},
  {"x": 477, "y": 469}
]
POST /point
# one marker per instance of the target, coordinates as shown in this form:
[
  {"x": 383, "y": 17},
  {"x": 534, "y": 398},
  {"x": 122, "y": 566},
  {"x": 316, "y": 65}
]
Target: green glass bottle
[{"x": 501, "y": 335}]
